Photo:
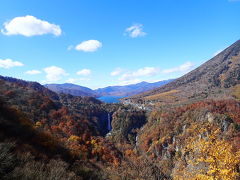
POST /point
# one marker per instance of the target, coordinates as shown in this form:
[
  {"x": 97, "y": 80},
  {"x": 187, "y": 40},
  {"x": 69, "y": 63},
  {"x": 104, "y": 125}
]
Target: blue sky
[{"x": 100, "y": 43}]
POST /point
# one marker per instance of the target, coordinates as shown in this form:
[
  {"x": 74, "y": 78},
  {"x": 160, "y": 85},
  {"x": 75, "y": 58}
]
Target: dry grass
[
  {"x": 165, "y": 95},
  {"x": 236, "y": 91}
]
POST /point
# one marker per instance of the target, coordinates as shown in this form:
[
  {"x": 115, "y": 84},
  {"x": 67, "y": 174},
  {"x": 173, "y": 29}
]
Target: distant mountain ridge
[
  {"x": 127, "y": 90},
  {"x": 72, "y": 89},
  {"x": 217, "y": 78}
]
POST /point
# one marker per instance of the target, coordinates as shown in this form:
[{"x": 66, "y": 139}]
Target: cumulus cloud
[
  {"x": 72, "y": 80},
  {"x": 84, "y": 72},
  {"x": 9, "y": 63},
  {"x": 116, "y": 72},
  {"x": 33, "y": 72},
  {"x": 182, "y": 68},
  {"x": 128, "y": 82},
  {"x": 54, "y": 73},
  {"x": 30, "y": 26},
  {"x": 89, "y": 46},
  {"x": 133, "y": 77},
  {"x": 146, "y": 71},
  {"x": 76, "y": 80},
  {"x": 135, "y": 31}
]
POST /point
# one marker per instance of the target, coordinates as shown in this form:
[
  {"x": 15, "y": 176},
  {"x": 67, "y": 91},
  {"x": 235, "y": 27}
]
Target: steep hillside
[
  {"x": 27, "y": 85},
  {"x": 46, "y": 107},
  {"x": 195, "y": 141},
  {"x": 217, "y": 78},
  {"x": 48, "y": 125}
]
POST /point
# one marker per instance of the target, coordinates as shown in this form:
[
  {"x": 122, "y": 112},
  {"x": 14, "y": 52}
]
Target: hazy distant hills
[
  {"x": 217, "y": 78},
  {"x": 130, "y": 90},
  {"x": 72, "y": 89},
  {"x": 127, "y": 90}
]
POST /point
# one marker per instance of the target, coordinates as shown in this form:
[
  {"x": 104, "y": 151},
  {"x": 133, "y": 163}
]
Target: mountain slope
[
  {"x": 130, "y": 90},
  {"x": 34, "y": 86},
  {"x": 72, "y": 89},
  {"x": 50, "y": 126},
  {"x": 217, "y": 78}
]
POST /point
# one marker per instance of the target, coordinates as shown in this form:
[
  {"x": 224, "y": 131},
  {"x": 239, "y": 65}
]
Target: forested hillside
[
  {"x": 39, "y": 126},
  {"x": 44, "y": 135}
]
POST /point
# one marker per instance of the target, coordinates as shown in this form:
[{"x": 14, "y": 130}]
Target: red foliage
[{"x": 9, "y": 93}]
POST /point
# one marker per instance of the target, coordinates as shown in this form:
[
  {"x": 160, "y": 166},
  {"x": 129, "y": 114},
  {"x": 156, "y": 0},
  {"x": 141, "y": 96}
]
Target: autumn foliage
[{"x": 193, "y": 141}]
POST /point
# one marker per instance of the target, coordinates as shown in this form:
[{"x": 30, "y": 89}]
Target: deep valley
[{"x": 187, "y": 128}]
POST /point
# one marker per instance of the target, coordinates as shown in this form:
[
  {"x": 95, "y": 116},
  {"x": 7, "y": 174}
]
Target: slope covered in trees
[
  {"x": 53, "y": 128},
  {"x": 195, "y": 141},
  {"x": 44, "y": 135}
]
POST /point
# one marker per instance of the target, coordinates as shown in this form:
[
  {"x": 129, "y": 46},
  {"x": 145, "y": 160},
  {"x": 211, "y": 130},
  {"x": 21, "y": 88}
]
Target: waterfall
[{"x": 109, "y": 123}]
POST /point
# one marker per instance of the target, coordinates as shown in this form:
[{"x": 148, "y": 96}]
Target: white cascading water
[{"x": 109, "y": 122}]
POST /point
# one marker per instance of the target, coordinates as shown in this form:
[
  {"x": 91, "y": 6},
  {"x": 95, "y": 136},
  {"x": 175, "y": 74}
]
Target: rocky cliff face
[
  {"x": 125, "y": 123},
  {"x": 187, "y": 141}
]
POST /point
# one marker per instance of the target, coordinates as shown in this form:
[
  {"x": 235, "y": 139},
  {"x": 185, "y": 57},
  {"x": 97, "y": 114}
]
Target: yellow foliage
[
  {"x": 38, "y": 124},
  {"x": 93, "y": 141},
  {"x": 210, "y": 157},
  {"x": 74, "y": 138}
]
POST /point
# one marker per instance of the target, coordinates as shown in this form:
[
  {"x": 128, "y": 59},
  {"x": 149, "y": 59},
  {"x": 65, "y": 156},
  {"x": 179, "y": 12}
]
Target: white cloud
[
  {"x": 89, "y": 46},
  {"x": 217, "y": 52},
  {"x": 135, "y": 31},
  {"x": 9, "y": 63},
  {"x": 127, "y": 82},
  {"x": 54, "y": 73},
  {"x": 146, "y": 71},
  {"x": 30, "y": 26},
  {"x": 182, "y": 68},
  {"x": 116, "y": 72},
  {"x": 134, "y": 77},
  {"x": 33, "y": 72},
  {"x": 84, "y": 72},
  {"x": 76, "y": 80},
  {"x": 72, "y": 80}
]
